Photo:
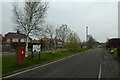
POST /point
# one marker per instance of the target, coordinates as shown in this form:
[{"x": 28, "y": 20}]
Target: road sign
[{"x": 36, "y": 48}]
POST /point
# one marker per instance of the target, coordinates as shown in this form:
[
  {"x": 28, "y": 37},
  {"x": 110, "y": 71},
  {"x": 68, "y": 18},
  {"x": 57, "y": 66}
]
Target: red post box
[{"x": 20, "y": 55}]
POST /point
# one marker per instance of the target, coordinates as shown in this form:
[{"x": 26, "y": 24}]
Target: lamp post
[
  {"x": 86, "y": 35},
  {"x": 56, "y": 38}
]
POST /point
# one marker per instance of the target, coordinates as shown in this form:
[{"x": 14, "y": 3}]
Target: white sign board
[{"x": 36, "y": 48}]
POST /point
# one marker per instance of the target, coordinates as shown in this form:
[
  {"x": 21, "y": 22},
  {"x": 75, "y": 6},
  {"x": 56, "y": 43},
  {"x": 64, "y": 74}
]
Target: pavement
[
  {"x": 84, "y": 65},
  {"x": 109, "y": 65},
  {"x": 7, "y": 53},
  {"x": 45, "y": 51}
]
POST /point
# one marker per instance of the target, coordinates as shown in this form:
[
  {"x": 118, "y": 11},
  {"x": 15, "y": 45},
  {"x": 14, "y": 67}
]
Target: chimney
[{"x": 18, "y": 32}]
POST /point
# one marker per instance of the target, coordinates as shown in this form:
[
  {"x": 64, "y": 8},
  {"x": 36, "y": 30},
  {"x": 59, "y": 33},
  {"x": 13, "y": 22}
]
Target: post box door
[{"x": 21, "y": 52}]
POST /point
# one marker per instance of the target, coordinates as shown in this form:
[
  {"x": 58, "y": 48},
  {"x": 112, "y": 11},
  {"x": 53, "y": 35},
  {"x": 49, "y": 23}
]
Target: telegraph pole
[{"x": 86, "y": 34}]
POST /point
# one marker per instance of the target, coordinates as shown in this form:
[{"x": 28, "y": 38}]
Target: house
[
  {"x": 16, "y": 37},
  {"x": 113, "y": 43},
  {"x": 58, "y": 43},
  {"x": 1, "y": 39},
  {"x": 13, "y": 38},
  {"x": 45, "y": 42},
  {"x": 36, "y": 41},
  {"x": 49, "y": 43}
]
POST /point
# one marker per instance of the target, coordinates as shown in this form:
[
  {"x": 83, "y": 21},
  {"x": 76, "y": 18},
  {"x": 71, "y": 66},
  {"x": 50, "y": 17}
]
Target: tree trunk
[
  {"x": 118, "y": 50},
  {"x": 26, "y": 55}
]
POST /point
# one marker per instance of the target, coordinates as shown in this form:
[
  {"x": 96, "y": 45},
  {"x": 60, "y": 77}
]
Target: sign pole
[
  {"x": 118, "y": 49},
  {"x": 32, "y": 55},
  {"x": 36, "y": 48},
  {"x": 40, "y": 51},
  {"x": 39, "y": 55}
]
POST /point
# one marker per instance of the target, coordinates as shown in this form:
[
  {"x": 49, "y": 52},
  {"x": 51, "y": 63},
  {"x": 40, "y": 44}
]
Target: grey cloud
[{"x": 100, "y": 17}]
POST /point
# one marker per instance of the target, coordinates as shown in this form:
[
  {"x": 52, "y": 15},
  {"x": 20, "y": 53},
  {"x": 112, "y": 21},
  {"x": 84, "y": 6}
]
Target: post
[
  {"x": 86, "y": 36},
  {"x": 27, "y": 41},
  {"x": 32, "y": 55},
  {"x": 39, "y": 55},
  {"x": 40, "y": 50},
  {"x": 56, "y": 45},
  {"x": 118, "y": 50}
]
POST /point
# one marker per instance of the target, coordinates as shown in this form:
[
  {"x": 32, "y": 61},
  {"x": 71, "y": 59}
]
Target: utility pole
[{"x": 86, "y": 34}]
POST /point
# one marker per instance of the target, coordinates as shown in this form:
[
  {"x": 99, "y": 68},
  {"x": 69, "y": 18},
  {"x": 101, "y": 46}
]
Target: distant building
[
  {"x": 12, "y": 39},
  {"x": 2, "y": 39},
  {"x": 45, "y": 42},
  {"x": 36, "y": 41},
  {"x": 16, "y": 37},
  {"x": 96, "y": 44},
  {"x": 113, "y": 43},
  {"x": 58, "y": 43},
  {"x": 50, "y": 43}
]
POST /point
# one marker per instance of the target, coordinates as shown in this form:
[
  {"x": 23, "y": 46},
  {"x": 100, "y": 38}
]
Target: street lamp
[{"x": 86, "y": 34}]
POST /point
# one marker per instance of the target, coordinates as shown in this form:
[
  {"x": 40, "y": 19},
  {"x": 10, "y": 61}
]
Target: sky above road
[{"x": 101, "y": 17}]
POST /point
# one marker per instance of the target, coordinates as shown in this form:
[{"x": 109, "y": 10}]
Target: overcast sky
[{"x": 100, "y": 16}]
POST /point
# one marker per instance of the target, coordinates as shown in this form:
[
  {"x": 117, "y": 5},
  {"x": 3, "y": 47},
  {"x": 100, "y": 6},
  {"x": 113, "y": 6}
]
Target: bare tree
[
  {"x": 73, "y": 41},
  {"x": 90, "y": 42},
  {"x": 63, "y": 32},
  {"x": 30, "y": 17},
  {"x": 50, "y": 30}
]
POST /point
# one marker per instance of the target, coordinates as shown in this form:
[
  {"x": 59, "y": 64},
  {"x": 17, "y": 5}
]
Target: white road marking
[{"x": 99, "y": 75}]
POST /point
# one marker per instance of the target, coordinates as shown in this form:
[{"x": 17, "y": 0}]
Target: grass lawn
[{"x": 9, "y": 65}]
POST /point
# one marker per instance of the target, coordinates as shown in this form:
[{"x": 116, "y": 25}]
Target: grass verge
[
  {"x": 9, "y": 65},
  {"x": 115, "y": 53}
]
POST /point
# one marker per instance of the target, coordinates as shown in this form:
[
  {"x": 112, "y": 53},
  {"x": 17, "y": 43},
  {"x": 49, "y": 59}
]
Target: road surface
[{"x": 84, "y": 65}]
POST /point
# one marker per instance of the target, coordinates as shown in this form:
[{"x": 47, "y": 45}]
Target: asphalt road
[{"x": 84, "y": 65}]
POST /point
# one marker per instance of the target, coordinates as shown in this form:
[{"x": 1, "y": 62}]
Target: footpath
[{"x": 109, "y": 66}]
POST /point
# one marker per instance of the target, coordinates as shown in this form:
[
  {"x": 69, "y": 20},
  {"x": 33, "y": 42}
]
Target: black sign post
[
  {"x": 118, "y": 49},
  {"x": 40, "y": 51},
  {"x": 39, "y": 55},
  {"x": 32, "y": 55},
  {"x": 36, "y": 49}
]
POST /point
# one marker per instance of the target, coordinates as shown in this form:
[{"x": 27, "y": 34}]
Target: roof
[
  {"x": 45, "y": 38},
  {"x": 2, "y": 37},
  {"x": 35, "y": 41},
  {"x": 11, "y": 35}
]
